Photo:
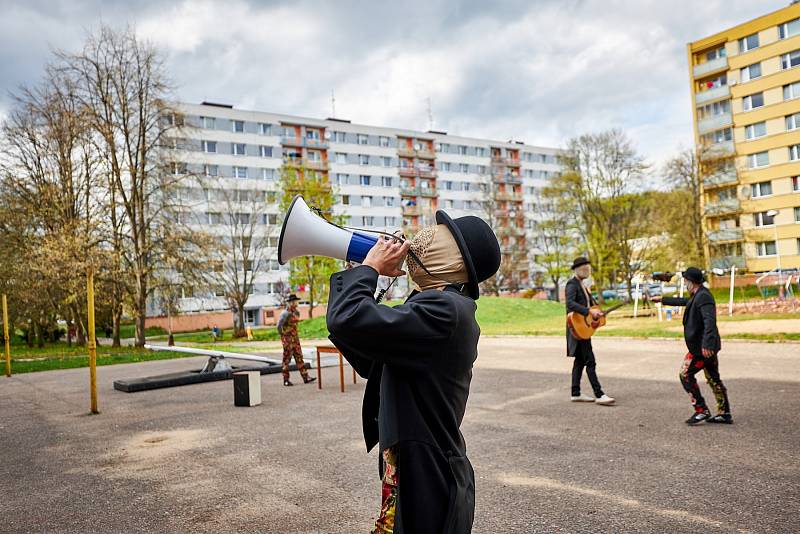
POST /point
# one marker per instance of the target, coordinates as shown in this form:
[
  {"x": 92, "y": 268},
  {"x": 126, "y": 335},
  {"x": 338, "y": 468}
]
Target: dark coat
[
  {"x": 576, "y": 302},
  {"x": 417, "y": 358},
  {"x": 699, "y": 321}
]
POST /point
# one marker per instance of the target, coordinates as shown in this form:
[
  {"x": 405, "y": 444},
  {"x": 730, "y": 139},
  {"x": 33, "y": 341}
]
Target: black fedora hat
[
  {"x": 580, "y": 260},
  {"x": 693, "y": 274},
  {"x": 478, "y": 246},
  {"x": 292, "y": 298}
]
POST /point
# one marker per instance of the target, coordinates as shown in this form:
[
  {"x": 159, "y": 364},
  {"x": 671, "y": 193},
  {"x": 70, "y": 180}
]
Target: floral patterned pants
[
  {"x": 710, "y": 366},
  {"x": 385, "y": 522}
]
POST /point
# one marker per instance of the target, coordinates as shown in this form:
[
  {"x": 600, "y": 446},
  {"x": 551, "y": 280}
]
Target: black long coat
[
  {"x": 699, "y": 321},
  {"x": 417, "y": 358},
  {"x": 576, "y": 302}
]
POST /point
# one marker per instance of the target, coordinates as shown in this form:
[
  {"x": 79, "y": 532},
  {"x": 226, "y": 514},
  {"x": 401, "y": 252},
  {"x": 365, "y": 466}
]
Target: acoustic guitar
[{"x": 583, "y": 327}]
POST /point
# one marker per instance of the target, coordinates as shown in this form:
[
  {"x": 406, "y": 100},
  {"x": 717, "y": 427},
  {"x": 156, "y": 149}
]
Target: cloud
[{"x": 539, "y": 71}]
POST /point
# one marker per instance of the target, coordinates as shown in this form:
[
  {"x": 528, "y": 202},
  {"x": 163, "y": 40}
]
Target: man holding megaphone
[{"x": 417, "y": 358}]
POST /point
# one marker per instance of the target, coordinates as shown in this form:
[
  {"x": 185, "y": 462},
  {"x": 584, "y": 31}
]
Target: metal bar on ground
[
  {"x": 341, "y": 373},
  {"x": 215, "y": 353},
  {"x": 92, "y": 340}
]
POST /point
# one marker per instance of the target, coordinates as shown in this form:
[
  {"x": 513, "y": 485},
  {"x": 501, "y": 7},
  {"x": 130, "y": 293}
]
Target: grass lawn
[
  {"x": 496, "y": 316},
  {"x": 60, "y": 356}
]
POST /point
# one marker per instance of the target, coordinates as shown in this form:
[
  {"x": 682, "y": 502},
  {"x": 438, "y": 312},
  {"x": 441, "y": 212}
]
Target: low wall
[
  {"x": 738, "y": 281},
  {"x": 193, "y": 321}
]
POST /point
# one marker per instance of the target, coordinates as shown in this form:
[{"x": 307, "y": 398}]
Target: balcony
[
  {"x": 710, "y": 67},
  {"x": 426, "y": 154},
  {"x": 315, "y": 143},
  {"x": 711, "y": 95},
  {"x": 408, "y": 171},
  {"x": 427, "y": 172},
  {"x": 511, "y": 231},
  {"x": 505, "y": 195},
  {"x": 720, "y": 178},
  {"x": 291, "y": 141},
  {"x": 725, "y": 262},
  {"x": 411, "y": 211},
  {"x": 719, "y": 150},
  {"x": 507, "y": 179},
  {"x": 723, "y": 207},
  {"x": 725, "y": 235},
  {"x": 405, "y": 151},
  {"x": 419, "y": 192},
  {"x": 317, "y": 165},
  {"x": 714, "y": 123}
]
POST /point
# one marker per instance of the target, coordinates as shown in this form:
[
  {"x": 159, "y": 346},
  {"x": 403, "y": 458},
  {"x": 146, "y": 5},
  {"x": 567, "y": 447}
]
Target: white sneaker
[
  {"x": 605, "y": 400},
  {"x": 582, "y": 398}
]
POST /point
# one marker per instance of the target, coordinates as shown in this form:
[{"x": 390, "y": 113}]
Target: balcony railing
[
  {"x": 710, "y": 95},
  {"x": 708, "y": 67},
  {"x": 507, "y": 179},
  {"x": 427, "y": 172},
  {"x": 405, "y": 151},
  {"x": 722, "y": 207},
  {"x": 725, "y": 234},
  {"x": 505, "y": 195},
  {"x": 419, "y": 191},
  {"x": 411, "y": 211},
  {"x": 317, "y": 165},
  {"x": 303, "y": 141},
  {"x": 726, "y": 262},
  {"x": 408, "y": 171},
  {"x": 714, "y": 123},
  {"x": 726, "y": 177},
  {"x": 426, "y": 154}
]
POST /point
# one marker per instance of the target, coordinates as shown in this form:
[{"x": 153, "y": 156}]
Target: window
[
  {"x": 209, "y": 123},
  {"x": 211, "y": 170},
  {"x": 445, "y": 165},
  {"x": 753, "y": 131},
  {"x": 240, "y": 172},
  {"x": 265, "y": 151},
  {"x": 268, "y": 174},
  {"x": 313, "y": 155},
  {"x": 797, "y": 215},
  {"x": 760, "y": 159},
  {"x": 480, "y": 152},
  {"x": 366, "y": 202},
  {"x": 792, "y": 59},
  {"x": 346, "y": 199},
  {"x": 210, "y": 147},
  {"x": 390, "y": 221},
  {"x": 386, "y": 181},
  {"x": 748, "y": 43},
  {"x": 444, "y": 147},
  {"x": 386, "y": 161},
  {"x": 368, "y": 220},
  {"x": 716, "y": 53},
  {"x": 795, "y": 183},
  {"x": 363, "y": 139},
  {"x": 339, "y": 137},
  {"x": 715, "y": 109},
  {"x": 794, "y": 152},
  {"x": 751, "y": 72},
  {"x": 447, "y": 185},
  {"x": 383, "y": 141},
  {"x": 462, "y": 149},
  {"x": 765, "y": 248},
  {"x": 238, "y": 126},
  {"x": 448, "y": 204},
  {"x": 792, "y": 122},
  {"x": 388, "y": 202},
  {"x": 238, "y": 149},
  {"x": 363, "y": 159},
  {"x": 312, "y": 134},
  {"x": 463, "y": 168},
  {"x": 364, "y": 179},
  {"x": 791, "y": 91},
  {"x": 761, "y": 189},
  {"x": 719, "y": 81},
  {"x": 762, "y": 219},
  {"x": 789, "y": 29},
  {"x": 753, "y": 101},
  {"x": 265, "y": 129},
  {"x": 481, "y": 169},
  {"x": 178, "y": 168},
  {"x": 341, "y": 158}
]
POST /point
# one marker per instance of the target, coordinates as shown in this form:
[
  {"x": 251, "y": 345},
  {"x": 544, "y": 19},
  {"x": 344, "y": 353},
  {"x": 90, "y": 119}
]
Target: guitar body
[{"x": 584, "y": 327}]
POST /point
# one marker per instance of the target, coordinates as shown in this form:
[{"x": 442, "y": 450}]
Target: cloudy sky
[{"x": 533, "y": 70}]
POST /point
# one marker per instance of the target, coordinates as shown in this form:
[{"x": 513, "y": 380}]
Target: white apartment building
[{"x": 383, "y": 178}]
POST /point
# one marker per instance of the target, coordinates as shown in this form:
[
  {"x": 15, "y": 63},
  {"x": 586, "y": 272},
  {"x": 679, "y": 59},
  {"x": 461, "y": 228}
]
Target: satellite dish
[{"x": 745, "y": 192}]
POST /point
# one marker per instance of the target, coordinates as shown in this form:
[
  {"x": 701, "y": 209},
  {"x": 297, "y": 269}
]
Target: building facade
[
  {"x": 746, "y": 105},
  {"x": 382, "y": 178}
]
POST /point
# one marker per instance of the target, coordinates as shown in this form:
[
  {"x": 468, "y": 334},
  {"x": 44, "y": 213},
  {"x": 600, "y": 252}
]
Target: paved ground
[{"x": 186, "y": 460}]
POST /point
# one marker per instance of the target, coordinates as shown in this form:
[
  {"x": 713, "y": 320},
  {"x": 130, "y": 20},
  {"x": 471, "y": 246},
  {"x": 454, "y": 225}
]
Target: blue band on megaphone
[{"x": 359, "y": 247}]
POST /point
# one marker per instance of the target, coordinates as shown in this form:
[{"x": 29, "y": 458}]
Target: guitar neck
[{"x": 615, "y": 307}]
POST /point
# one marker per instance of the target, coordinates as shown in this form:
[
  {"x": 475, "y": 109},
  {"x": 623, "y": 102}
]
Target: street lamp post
[{"x": 774, "y": 214}]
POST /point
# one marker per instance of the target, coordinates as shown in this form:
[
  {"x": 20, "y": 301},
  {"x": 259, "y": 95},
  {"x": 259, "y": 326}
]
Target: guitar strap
[{"x": 585, "y": 292}]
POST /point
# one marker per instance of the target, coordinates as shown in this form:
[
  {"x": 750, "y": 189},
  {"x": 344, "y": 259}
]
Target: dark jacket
[
  {"x": 417, "y": 358},
  {"x": 699, "y": 321},
  {"x": 576, "y": 302}
]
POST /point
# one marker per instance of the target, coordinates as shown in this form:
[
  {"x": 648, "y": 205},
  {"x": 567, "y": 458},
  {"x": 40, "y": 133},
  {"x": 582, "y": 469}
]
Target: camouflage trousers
[
  {"x": 710, "y": 366},
  {"x": 291, "y": 347}
]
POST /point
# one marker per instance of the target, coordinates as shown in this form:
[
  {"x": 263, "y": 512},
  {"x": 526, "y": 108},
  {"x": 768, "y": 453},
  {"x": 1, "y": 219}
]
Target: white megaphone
[{"x": 304, "y": 233}]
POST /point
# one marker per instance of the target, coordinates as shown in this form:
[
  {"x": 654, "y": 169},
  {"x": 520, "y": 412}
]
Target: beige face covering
[{"x": 436, "y": 247}]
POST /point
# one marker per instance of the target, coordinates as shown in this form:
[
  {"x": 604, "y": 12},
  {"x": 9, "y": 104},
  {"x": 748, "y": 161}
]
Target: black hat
[
  {"x": 581, "y": 260},
  {"x": 292, "y": 297},
  {"x": 478, "y": 246},
  {"x": 693, "y": 274}
]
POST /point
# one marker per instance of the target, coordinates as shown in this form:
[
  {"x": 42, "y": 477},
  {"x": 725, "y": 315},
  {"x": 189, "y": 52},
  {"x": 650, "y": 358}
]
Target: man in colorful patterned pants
[
  {"x": 703, "y": 341},
  {"x": 287, "y": 327}
]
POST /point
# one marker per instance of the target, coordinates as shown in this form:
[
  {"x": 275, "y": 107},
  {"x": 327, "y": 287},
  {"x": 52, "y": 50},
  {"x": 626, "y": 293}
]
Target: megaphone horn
[{"x": 304, "y": 233}]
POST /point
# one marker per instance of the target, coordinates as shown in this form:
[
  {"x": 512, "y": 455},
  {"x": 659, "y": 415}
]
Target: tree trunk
[
  {"x": 558, "y": 289},
  {"x": 116, "y": 319},
  {"x": 239, "y": 327},
  {"x": 140, "y": 315}
]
